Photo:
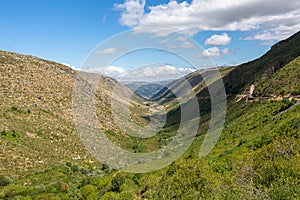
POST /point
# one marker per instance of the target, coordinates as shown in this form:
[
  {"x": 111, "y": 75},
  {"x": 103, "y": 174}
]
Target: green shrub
[
  {"x": 11, "y": 135},
  {"x": 110, "y": 196},
  {"x": 242, "y": 141},
  {"x": 103, "y": 182},
  {"x": 117, "y": 182},
  {"x": 4, "y": 181},
  {"x": 87, "y": 190}
]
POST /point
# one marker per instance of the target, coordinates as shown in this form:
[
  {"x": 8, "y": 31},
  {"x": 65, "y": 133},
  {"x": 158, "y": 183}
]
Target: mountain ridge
[
  {"x": 36, "y": 113},
  {"x": 256, "y": 157}
]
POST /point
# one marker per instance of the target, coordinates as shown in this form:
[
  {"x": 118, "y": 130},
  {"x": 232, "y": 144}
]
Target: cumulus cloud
[
  {"x": 157, "y": 73},
  {"x": 150, "y": 73},
  {"x": 112, "y": 71},
  {"x": 164, "y": 70},
  {"x": 71, "y": 66},
  {"x": 107, "y": 51},
  {"x": 218, "y": 40},
  {"x": 267, "y": 37},
  {"x": 214, "y": 52},
  {"x": 279, "y": 18},
  {"x": 133, "y": 11}
]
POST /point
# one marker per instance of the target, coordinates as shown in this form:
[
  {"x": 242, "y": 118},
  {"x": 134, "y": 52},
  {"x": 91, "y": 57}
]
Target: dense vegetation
[
  {"x": 257, "y": 156},
  {"x": 264, "y": 67},
  {"x": 285, "y": 81}
]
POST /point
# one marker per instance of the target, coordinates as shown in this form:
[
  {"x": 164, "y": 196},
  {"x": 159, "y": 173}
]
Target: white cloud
[
  {"x": 214, "y": 52},
  {"x": 267, "y": 37},
  {"x": 112, "y": 71},
  {"x": 150, "y": 73},
  {"x": 157, "y": 73},
  {"x": 133, "y": 11},
  {"x": 279, "y": 18},
  {"x": 107, "y": 51},
  {"x": 218, "y": 40},
  {"x": 71, "y": 66}
]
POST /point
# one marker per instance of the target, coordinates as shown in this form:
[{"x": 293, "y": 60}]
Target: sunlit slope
[
  {"x": 284, "y": 82},
  {"x": 36, "y": 119}
]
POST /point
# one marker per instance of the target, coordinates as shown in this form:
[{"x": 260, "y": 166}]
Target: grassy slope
[
  {"x": 195, "y": 79},
  {"x": 257, "y": 158},
  {"x": 264, "y": 67},
  {"x": 36, "y": 123},
  {"x": 285, "y": 81}
]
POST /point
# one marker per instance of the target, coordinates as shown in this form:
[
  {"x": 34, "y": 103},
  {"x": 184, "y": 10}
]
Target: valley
[{"x": 256, "y": 157}]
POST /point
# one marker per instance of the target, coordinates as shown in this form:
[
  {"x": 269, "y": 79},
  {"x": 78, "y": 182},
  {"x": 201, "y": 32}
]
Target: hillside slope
[
  {"x": 257, "y": 156},
  {"x": 237, "y": 79},
  {"x": 283, "y": 82},
  {"x": 264, "y": 67},
  {"x": 36, "y": 119}
]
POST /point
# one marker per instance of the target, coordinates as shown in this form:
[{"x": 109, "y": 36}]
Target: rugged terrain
[
  {"x": 257, "y": 156},
  {"x": 36, "y": 122}
]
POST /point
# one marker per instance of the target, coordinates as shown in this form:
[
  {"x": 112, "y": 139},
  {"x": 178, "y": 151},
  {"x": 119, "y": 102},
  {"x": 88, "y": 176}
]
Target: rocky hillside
[
  {"x": 256, "y": 156},
  {"x": 36, "y": 120}
]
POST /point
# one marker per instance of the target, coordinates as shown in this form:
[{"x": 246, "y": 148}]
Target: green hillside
[
  {"x": 285, "y": 81},
  {"x": 257, "y": 156},
  {"x": 264, "y": 67}
]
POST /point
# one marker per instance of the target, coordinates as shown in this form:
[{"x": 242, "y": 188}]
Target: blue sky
[
  {"x": 66, "y": 31},
  {"x": 60, "y": 30}
]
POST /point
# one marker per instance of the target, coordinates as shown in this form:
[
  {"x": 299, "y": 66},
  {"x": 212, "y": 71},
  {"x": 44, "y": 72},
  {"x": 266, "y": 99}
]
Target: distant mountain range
[{"x": 146, "y": 89}]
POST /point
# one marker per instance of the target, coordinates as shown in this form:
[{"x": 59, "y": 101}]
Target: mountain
[
  {"x": 258, "y": 70},
  {"x": 36, "y": 119},
  {"x": 145, "y": 89},
  {"x": 238, "y": 79},
  {"x": 256, "y": 157},
  {"x": 284, "y": 81},
  {"x": 197, "y": 81}
]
